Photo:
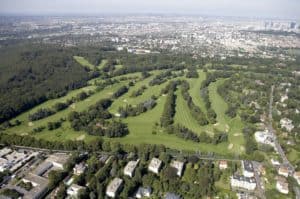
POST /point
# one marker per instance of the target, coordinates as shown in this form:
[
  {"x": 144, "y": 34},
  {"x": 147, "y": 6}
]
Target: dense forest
[{"x": 31, "y": 74}]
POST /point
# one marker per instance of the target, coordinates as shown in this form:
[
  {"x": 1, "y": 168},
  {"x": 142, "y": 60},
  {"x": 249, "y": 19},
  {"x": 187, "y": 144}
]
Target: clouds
[{"x": 263, "y": 8}]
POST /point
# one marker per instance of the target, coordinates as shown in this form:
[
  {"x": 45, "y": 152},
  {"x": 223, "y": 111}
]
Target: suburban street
[{"x": 278, "y": 146}]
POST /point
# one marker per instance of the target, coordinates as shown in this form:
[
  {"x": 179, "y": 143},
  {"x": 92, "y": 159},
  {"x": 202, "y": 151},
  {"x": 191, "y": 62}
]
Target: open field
[
  {"x": 86, "y": 63},
  {"x": 145, "y": 127}
]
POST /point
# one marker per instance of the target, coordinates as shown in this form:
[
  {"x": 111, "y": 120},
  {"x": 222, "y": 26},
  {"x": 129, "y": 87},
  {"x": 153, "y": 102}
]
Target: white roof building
[
  {"x": 5, "y": 151},
  {"x": 130, "y": 167},
  {"x": 58, "y": 160},
  {"x": 114, "y": 187},
  {"x": 248, "y": 170},
  {"x": 297, "y": 177},
  {"x": 79, "y": 168},
  {"x": 287, "y": 124},
  {"x": 178, "y": 166},
  {"x": 223, "y": 164},
  {"x": 73, "y": 190},
  {"x": 143, "y": 192},
  {"x": 282, "y": 186},
  {"x": 264, "y": 137},
  {"x": 155, "y": 165},
  {"x": 243, "y": 182},
  {"x": 284, "y": 171}
]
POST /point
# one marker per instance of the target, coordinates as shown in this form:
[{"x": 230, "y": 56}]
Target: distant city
[{"x": 201, "y": 36}]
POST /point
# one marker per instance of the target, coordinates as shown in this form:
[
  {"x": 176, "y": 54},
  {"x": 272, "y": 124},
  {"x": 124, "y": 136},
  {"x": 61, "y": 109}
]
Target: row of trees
[
  {"x": 170, "y": 105},
  {"x": 196, "y": 112},
  {"x": 121, "y": 91},
  {"x": 131, "y": 111},
  {"x": 59, "y": 106},
  {"x": 138, "y": 92},
  {"x": 211, "y": 114}
]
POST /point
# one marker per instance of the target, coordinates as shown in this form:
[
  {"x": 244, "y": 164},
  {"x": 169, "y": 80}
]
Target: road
[
  {"x": 259, "y": 182},
  {"x": 278, "y": 147}
]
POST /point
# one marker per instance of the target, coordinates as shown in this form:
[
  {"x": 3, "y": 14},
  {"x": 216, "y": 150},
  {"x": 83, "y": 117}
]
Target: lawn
[
  {"x": 194, "y": 91},
  {"x": 82, "y": 61},
  {"x": 143, "y": 128}
]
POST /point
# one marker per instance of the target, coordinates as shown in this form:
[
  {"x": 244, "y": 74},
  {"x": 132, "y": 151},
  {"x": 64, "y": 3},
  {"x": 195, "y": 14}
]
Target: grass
[
  {"x": 194, "y": 91},
  {"x": 82, "y": 61},
  {"x": 143, "y": 128},
  {"x": 224, "y": 123}
]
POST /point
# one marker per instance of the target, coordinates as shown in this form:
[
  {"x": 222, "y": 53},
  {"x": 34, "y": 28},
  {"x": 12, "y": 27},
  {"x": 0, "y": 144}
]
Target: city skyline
[{"x": 257, "y": 9}]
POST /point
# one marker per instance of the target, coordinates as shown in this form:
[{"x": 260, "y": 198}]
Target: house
[
  {"x": 283, "y": 170},
  {"x": 73, "y": 190},
  {"x": 287, "y": 124},
  {"x": 264, "y": 137},
  {"x": 130, "y": 167},
  {"x": 155, "y": 165},
  {"x": 243, "y": 195},
  {"x": 281, "y": 185},
  {"x": 275, "y": 162},
  {"x": 172, "y": 196},
  {"x": 143, "y": 192},
  {"x": 297, "y": 176},
  {"x": 238, "y": 181},
  {"x": 40, "y": 186},
  {"x": 261, "y": 169},
  {"x": 223, "y": 164},
  {"x": 248, "y": 170},
  {"x": 114, "y": 187},
  {"x": 79, "y": 169},
  {"x": 178, "y": 166}
]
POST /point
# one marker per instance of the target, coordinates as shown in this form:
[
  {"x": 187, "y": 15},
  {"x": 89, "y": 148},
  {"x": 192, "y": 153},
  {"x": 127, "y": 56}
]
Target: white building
[
  {"x": 79, "y": 169},
  {"x": 287, "y": 124},
  {"x": 248, "y": 170},
  {"x": 243, "y": 182},
  {"x": 58, "y": 160},
  {"x": 284, "y": 171},
  {"x": 223, "y": 164},
  {"x": 130, "y": 167},
  {"x": 143, "y": 192},
  {"x": 282, "y": 186},
  {"x": 178, "y": 166},
  {"x": 297, "y": 177},
  {"x": 73, "y": 190},
  {"x": 264, "y": 137},
  {"x": 275, "y": 162},
  {"x": 155, "y": 165},
  {"x": 114, "y": 187}
]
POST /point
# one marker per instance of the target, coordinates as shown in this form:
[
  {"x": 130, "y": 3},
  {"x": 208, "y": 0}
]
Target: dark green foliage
[
  {"x": 170, "y": 105},
  {"x": 121, "y": 91},
  {"x": 130, "y": 111},
  {"x": 40, "y": 114},
  {"x": 195, "y": 110},
  {"x": 31, "y": 74},
  {"x": 192, "y": 73},
  {"x": 11, "y": 193},
  {"x": 138, "y": 92}
]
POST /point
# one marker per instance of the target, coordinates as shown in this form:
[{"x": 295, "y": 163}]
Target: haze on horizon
[{"x": 288, "y": 9}]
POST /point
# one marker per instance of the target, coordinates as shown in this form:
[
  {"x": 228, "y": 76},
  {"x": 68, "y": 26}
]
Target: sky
[{"x": 288, "y": 9}]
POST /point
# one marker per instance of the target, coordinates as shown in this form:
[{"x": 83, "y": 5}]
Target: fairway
[{"x": 145, "y": 127}]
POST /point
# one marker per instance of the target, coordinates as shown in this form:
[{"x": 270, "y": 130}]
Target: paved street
[{"x": 277, "y": 144}]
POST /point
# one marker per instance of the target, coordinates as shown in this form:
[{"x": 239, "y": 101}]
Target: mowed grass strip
[
  {"x": 79, "y": 106},
  {"x": 233, "y": 126},
  {"x": 82, "y": 61},
  {"x": 195, "y": 85},
  {"x": 142, "y": 127}
]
